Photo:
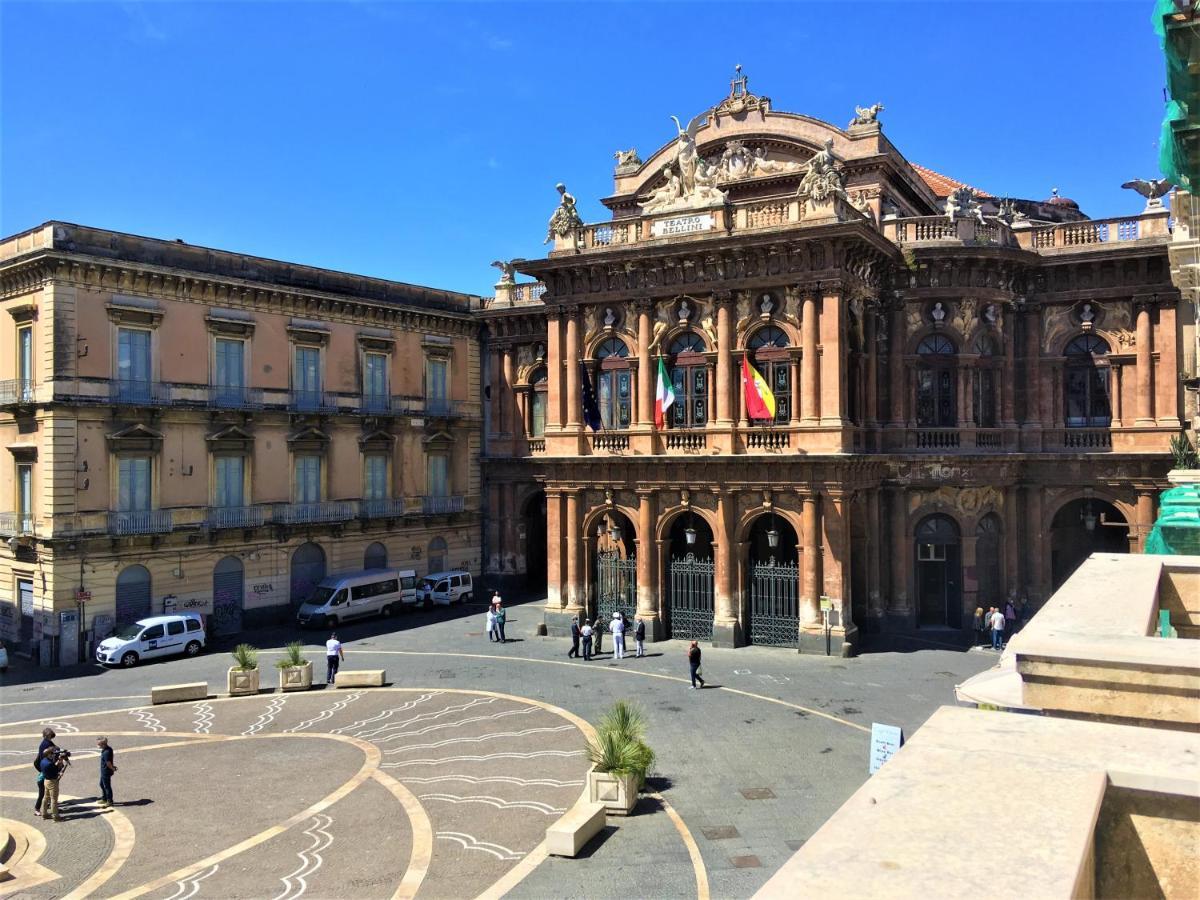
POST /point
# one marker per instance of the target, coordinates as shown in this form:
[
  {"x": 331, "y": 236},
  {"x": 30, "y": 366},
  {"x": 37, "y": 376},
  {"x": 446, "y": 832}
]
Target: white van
[
  {"x": 355, "y": 595},
  {"x": 444, "y": 588},
  {"x": 151, "y": 638}
]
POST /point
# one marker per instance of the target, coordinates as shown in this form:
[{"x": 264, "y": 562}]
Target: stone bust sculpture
[
  {"x": 610, "y": 317},
  {"x": 938, "y": 313}
]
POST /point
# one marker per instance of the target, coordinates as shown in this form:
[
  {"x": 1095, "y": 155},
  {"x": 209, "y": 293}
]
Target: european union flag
[{"x": 591, "y": 409}]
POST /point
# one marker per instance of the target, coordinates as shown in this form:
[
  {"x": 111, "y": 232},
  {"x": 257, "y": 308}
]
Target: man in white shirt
[
  {"x": 333, "y": 655},
  {"x": 585, "y": 635},
  {"x": 618, "y": 632},
  {"x": 997, "y": 622}
]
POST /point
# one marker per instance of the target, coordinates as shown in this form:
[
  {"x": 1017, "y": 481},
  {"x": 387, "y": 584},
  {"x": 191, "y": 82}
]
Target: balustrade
[
  {"x": 144, "y": 521},
  {"x": 442, "y": 505},
  {"x": 768, "y": 439},
  {"x": 1087, "y": 438},
  {"x": 1082, "y": 234},
  {"x": 935, "y": 439},
  {"x": 613, "y": 442},
  {"x": 537, "y": 446},
  {"x": 236, "y": 516},
  {"x": 990, "y": 439},
  {"x": 688, "y": 441},
  {"x": 767, "y": 214}
]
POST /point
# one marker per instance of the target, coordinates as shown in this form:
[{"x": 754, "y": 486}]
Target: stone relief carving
[
  {"x": 822, "y": 179},
  {"x": 740, "y": 100},
  {"x": 961, "y": 204},
  {"x": 1056, "y": 322},
  {"x": 964, "y": 316},
  {"x": 565, "y": 218},
  {"x": 860, "y": 201},
  {"x": 709, "y": 328},
  {"x": 866, "y": 115}
]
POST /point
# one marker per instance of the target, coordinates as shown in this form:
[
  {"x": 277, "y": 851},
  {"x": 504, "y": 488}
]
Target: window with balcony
[
  {"x": 1086, "y": 386},
  {"x": 537, "y": 404},
  {"x": 689, "y": 377},
  {"x": 24, "y": 498},
  {"x": 306, "y": 378},
  {"x": 375, "y": 480},
  {"x": 769, "y": 354},
  {"x": 229, "y": 370},
  {"x": 25, "y": 363},
  {"x": 437, "y": 376},
  {"x": 229, "y": 476},
  {"x": 375, "y": 382},
  {"x": 935, "y": 374},
  {"x": 614, "y": 383},
  {"x": 307, "y": 478},
  {"x": 984, "y": 382},
  {"x": 439, "y": 474},
  {"x": 133, "y": 483},
  {"x": 133, "y": 364}
]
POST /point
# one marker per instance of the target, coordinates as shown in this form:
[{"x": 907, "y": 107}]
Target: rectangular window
[
  {"x": 435, "y": 382},
  {"x": 230, "y": 477},
  {"x": 230, "y": 363},
  {"x": 307, "y": 380},
  {"x": 308, "y": 479},
  {"x": 25, "y": 498},
  {"x": 133, "y": 484},
  {"x": 538, "y": 414},
  {"x": 25, "y": 363},
  {"x": 438, "y": 475},
  {"x": 375, "y": 471},
  {"x": 133, "y": 363},
  {"x": 375, "y": 386}
]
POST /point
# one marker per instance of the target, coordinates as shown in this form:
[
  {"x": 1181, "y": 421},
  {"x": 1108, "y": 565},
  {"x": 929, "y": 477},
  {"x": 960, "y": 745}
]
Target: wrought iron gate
[
  {"x": 616, "y": 586},
  {"x": 774, "y": 603},
  {"x": 691, "y": 599}
]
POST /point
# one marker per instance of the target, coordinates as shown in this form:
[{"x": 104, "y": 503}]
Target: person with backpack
[
  {"x": 52, "y": 768},
  {"x": 47, "y": 742}
]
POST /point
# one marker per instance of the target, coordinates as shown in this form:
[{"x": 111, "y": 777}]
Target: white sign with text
[
  {"x": 682, "y": 225},
  {"x": 885, "y": 741}
]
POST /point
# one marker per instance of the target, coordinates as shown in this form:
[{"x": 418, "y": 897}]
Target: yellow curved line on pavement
[
  {"x": 72, "y": 700},
  {"x": 688, "y": 841},
  {"x": 190, "y": 739},
  {"x": 421, "y": 855}
]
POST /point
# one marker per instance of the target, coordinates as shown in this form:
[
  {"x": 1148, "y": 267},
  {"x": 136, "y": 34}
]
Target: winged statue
[
  {"x": 686, "y": 154},
  {"x": 1151, "y": 190},
  {"x": 507, "y": 271}
]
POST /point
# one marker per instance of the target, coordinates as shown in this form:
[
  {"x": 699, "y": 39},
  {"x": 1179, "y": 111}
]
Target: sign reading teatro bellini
[{"x": 682, "y": 225}]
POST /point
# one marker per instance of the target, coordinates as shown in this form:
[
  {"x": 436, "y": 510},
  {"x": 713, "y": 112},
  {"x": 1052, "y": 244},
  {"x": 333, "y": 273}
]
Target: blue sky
[{"x": 421, "y": 141}]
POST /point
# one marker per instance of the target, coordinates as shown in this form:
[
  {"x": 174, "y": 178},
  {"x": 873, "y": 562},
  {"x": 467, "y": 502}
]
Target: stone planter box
[
  {"x": 296, "y": 678},
  {"x": 243, "y": 682},
  {"x": 618, "y": 793},
  {"x": 1184, "y": 476}
]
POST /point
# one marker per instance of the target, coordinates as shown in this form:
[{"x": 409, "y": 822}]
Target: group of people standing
[
  {"x": 587, "y": 636},
  {"x": 495, "y": 620},
  {"x": 52, "y": 761},
  {"x": 1002, "y": 624}
]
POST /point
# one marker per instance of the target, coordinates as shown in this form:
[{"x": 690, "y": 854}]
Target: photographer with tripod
[
  {"x": 54, "y": 763},
  {"x": 48, "y": 736}
]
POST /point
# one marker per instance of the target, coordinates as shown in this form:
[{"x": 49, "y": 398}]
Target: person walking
[
  {"x": 107, "y": 767},
  {"x": 500, "y": 617},
  {"x": 618, "y": 633},
  {"x": 47, "y": 742},
  {"x": 980, "y": 627},
  {"x": 491, "y": 622},
  {"x": 639, "y": 637},
  {"x": 1010, "y": 618},
  {"x": 997, "y": 623},
  {"x": 573, "y": 653},
  {"x": 52, "y": 770},
  {"x": 597, "y": 636},
  {"x": 693, "y": 655},
  {"x": 333, "y": 657},
  {"x": 585, "y": 635}
]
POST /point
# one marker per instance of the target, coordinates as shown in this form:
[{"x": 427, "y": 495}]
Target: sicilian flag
[
  {"x": 760, "y": 402},
  {"x": 664, "y": 396}
]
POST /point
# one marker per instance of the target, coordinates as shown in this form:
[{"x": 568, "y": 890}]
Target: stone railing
[
  {"x": 432, "y": 505},
  {"x": 935, "y": 439},
  {"x": 687, "y": 441},
  {"x": 537, "y": 446},
  {"x": 1069, "y": 235},
  {"x": 767, "y": 214},
  {"x": 219, "y": 517},
  {"x": 989, "y": 439},
  {"x": 1086, "y": 439},
  {"x": 146, "y": 521},
  {"x": 382, "y": 508},
  {"x": 529, "y": 292},
  {"x": 939, "y": 229},
  {"x": 610, "y": 234},
  {"x": 610, "y": 441},
  {"x": 768, "y": 439}
]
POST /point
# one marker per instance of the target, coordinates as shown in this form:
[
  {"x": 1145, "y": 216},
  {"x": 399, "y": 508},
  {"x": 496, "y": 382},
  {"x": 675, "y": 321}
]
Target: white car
[
  {"x": 151, "y": 638},
  {"x": 445, "y": 588}
]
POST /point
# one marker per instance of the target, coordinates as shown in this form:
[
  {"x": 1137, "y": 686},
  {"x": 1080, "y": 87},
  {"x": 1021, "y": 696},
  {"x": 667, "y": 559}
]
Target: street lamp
[
  {"x": 690, "y": 532},
  {"x": 1088, "y": 517},
  {"x": 614, "y": 532},
  {"x": 772, "y": 536}
]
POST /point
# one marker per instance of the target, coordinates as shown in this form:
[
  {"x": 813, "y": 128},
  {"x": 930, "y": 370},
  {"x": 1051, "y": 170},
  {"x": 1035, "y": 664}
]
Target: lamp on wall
[
  {"x": 614, "y": 532},
  {"x": 690, "y": 532},
  {"x": 1088, "y": 517},
  {"x": 772, "y": 534}
]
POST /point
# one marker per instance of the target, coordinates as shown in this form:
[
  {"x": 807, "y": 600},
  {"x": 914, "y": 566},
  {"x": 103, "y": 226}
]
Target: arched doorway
[
  {"x": 533, "y": 523},
  {"x": 936, "y": 374},
  {"x": 133, "y": 595},
  {"x": 690, "y": 573},
  {"x": 615, "y": 566},
  {"x": 989, "y": 541},
  {"x": 308, "y": 568},
  {"x": 228, "y": 586},
  {"x": 938, "y": 573},
  {"x": 774, "y": 583},
  {"x": 1083, "y": 527},
  {"x": 375, "y": 556}
]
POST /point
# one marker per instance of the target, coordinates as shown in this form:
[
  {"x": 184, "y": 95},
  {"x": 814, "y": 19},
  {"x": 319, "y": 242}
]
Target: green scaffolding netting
[
  {"x": 1177, "y": 529},
  {"x": 1184, "y": 90}
]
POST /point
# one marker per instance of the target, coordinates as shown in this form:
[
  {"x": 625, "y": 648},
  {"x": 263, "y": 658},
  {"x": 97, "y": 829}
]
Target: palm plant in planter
[
  {"x": 295, "y": 672},
  {"x": 620, "y": 758},
  {"x": 243, "y": 677}
]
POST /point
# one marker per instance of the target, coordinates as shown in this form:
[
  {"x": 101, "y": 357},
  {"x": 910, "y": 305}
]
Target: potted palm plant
[
  {"x": 620, "y": 759},
  {"x": 243, "y": 677},
  {"x": 295, "y": 672}
]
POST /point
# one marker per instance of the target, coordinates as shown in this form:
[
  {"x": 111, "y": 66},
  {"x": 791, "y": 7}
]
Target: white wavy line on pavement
[
  {"x": 543, "y": 808},
  {"x": 469, "y": 842},
  {"x": 486, "y": 737},
  {"x": 188, "y": 887},
  {"x": 449, "y": 759},
  {"x": 325, "y": 714},
  {"x": 267, "y": 716},
  {"x": 489, "y": 779},
  {"x": 148, "y": 719},
  {"x": 386, "y": 714},
  {"x": 459, "y": 723},
  {"x": 397, "y": 727},
  {"x": 310, "y": 858},
  {"x": 204, "y": 717},
  {"x": 64, "y": 727}
]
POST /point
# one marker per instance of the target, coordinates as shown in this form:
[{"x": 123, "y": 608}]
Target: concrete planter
[
  {"x": 618, "y": 793},
  {"x": 1184, "y": 476},
  {"x": 243, "y": 682},
  {"x": 296, "y": 678}
]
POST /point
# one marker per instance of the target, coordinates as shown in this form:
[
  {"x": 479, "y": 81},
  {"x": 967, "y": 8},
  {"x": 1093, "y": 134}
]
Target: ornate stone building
[
  {"x": 193, "y": 429},
  {"x": 973, "y": 392}
]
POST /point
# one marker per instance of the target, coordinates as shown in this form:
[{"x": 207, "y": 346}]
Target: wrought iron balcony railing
[
  {"x": 142, "y": 521},
  {"x": 139, "y": 393},
  {"x": 312, "y": 401},
  {"x": 13, "y": 524},
  {"x": 440, "y": 506},
  {"x": 310, "y": 513},
  {"x": 237, "y": 516},
  {"x": 16, "y": 391},
  {"x": 441, "y": 408},
  {"x": 377, "y": 404},
  {"x": 228, "y": 396},
  {"x": 383, "y": 508}
]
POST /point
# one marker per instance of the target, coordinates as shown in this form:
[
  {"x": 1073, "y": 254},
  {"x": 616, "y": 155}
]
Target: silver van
[{"x": 356, "y": 595}]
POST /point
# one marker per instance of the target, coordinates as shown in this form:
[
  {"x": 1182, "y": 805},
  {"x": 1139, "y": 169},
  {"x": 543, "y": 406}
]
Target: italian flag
[
  {"x": 760, "y": 402},
  {"x": 664, "y": 396}
]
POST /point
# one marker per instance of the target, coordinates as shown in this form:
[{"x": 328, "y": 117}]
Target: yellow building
[{"x": 189, "y": 428}]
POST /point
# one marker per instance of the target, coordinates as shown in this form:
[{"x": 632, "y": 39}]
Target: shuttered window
[
  {"x": 308, "y": 479},
  {"x": 230, "y": 363},
  {"x": 375, "y": 471},
  {"x": 438, "y": 475},
  {"x": 133, "y": 487},
  {"x": 133, "y": 355},
  {"x": 230, "y": 477},
  {"x": 375, "y": 386}
]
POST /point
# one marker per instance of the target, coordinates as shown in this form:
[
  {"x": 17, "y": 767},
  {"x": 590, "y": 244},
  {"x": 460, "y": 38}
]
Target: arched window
[
  {"x": 133, "y": 595},
  {"x": 437, "y": 555},
  {"x": 1086, "y": 389},
  {"x": 689, "y": 378},
  {"x": 935, "y": 383},
  {"x": 537, "y": 398},
  {"x": 938, "y": 572},
  {"x": 375, "y": 557},
  {"x": 613, "y": 383},
  {"x": 983, "y": 382},
  {"x": 768, "y": 350}
]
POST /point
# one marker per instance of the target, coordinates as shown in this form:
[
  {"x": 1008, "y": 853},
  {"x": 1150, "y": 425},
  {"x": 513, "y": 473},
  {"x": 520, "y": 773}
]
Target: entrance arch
[
  {"x": 228, "y": 596},
  {"x": 937, "y": 547},
  {"x": 613, "y": 545},
  {"x": 690, "y": 570},
  {"x": 533, "y": 523},
  {"x": 308, "y": 568},
  {"x": 133, "y": 595},
  {"x": 1083, "y": 527},
  {"x": 774, "y": 582},
  {"x": 375, "y": 556}
]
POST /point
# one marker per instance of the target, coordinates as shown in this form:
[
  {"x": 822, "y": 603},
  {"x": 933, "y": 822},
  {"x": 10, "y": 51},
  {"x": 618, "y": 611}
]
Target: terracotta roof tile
[{"x": 942, "y": 185}]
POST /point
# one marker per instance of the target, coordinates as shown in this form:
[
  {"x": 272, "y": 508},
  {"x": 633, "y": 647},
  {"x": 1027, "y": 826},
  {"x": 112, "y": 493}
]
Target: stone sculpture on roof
[
  {"x": 690, "y": 182},
  {"x": 822, "y": 179},
  {"x": 961, "y": 204},
  {"x": 565, "y": 218},
  {"x": 868, "y": 115},
  {"x": 628, "y": 159}
]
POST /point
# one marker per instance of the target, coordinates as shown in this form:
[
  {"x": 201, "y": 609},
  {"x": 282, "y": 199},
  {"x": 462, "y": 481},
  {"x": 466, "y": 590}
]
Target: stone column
[
  {"x": 810, "y": 559},
  {"x": 554, "y": 372},
  {"x": 1037, "y": 550},
  {"x": 1165, "y": 339},
  {"x": 508, "y": 536},
  {"x": 1033, "y": 374},
  {"x": 1118, "y": 394},
  {"x": 1145, "y": 381},
  {"x": 727, "y": 630},
  {"x": 494, "y": 377},
  {"x": 647, "y": 565},
  {"x": 1145, "y": 517},
  {"x": 572, "y": 398},
  {"x": 646, "y": 369},
  {"x": 833, "y": 394},
  {"x": 896, "y": 366},
  {"x": 507, "y": 381},
  {"x": 901, "y": 553},
  {"x": 871, "y": 413},
  {"x": 575, "y": 598},
  {"x": 711, "y": 379},
  {"x": 556, "y": 597},
  {"x": 810, "y": 387},
  {"x": 794, "y": 376},
  {"x": 724, "y": 360},
  {"x": 874, "y": 575},
  {"x": 1011, "y": 535},
  {"x": 1008, "y": 417}
]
